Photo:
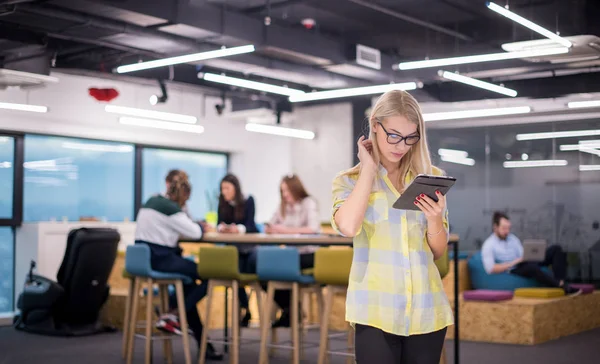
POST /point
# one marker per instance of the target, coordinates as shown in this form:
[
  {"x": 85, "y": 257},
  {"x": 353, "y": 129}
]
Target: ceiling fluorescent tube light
[
  {"x": 98, "y": 147},
  {"x": 539, "y": 163},
  {"x": 477, "y": 83},
  {"x": 558, "y": 134},
  {"x": 159, "y": 124},
  {"x": 528, "y": 24},
  {"x": 188, "y": 58},
  {"x": 589, "y": 167},
  {"x": 357, "y": 91},
  {"x": 590, "y": 143},
  {"x": 260, "y": 86},
  {"x": 458, "y": 160},
  {"x": 279, "y": 130},
  {"x": 579, "y": 147},
  {"x": 481, "y": 58},
  {"x": 453, "y": 153},
  {"x": 165, "y": 116},
  {"x": 465, "y": 114},
  {"x": 23, "y": 107},
  {"x": 583, "y": 104}
]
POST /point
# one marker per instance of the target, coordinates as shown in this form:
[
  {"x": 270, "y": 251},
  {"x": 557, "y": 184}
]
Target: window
[
  {"x": 6, "y": 269},
  {"x": 7, "y": 150},
  {"x": 68, "y": 178},
  {"x": 204, "y": 169}
]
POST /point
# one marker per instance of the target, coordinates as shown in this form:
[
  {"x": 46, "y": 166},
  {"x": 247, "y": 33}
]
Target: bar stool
[
  {"x": 443, "y": 266},
  {"x": 332, "y": 269},
  {"x": 219, "y": 264},
  {"x": 128, "y": 304},
  {"x": 137, "y": 264},
  {"x": 280, "y": 266}
]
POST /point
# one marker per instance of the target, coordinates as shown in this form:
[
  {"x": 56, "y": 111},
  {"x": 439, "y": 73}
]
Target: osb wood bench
[{"x": 528, "y": 321}]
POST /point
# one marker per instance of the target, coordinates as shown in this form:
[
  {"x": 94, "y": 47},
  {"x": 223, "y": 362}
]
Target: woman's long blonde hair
[{"x": 400, "y": 103}]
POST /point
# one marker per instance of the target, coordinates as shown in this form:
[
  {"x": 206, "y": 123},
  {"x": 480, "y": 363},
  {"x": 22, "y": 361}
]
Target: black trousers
[
  {"x": 245, "y": 267},
  {"x": 555, "y": 257},
  {"x": 169, "y": 260},
  {"x": 375, "y": 346},
  {"x": 283, "y": 297}
]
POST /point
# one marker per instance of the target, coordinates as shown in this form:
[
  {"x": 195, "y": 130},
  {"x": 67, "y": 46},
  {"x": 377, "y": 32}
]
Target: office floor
[{"x": 21, "y": 348}]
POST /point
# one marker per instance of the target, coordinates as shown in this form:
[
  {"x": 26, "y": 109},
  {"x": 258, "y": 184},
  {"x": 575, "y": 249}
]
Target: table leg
[
  {"x": 225, "y": 327},
  {"x": 456, "y": 306}
]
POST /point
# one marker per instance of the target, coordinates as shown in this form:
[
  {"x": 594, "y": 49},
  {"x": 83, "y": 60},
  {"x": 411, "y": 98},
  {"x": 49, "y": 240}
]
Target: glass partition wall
[{"x": 543, "y": 175}]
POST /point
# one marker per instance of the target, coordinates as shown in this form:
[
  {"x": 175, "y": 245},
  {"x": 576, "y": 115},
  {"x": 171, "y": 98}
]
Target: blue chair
[
  {"x": 480, "y": 279},
  {"x": 137, "y": 265},
  {"x": 281, "y": 268}
]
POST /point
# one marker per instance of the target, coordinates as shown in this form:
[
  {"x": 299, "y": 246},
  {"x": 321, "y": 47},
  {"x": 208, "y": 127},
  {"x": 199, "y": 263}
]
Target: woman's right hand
[{"x": 365, "y": 154}]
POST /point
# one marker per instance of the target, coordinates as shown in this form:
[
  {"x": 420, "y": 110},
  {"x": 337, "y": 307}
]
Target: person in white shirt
[
  {"x": 298, "y": 214},
  {"x": 160, "y": 224}
]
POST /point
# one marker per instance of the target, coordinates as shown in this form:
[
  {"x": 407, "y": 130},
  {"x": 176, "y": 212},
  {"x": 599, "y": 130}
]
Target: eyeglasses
[{"x": 397, "y": 138}]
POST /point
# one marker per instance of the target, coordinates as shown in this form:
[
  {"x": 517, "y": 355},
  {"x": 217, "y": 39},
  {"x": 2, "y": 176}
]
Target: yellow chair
[
  {"x": 219, "y": 264},
  {"x": 332, "y": 268}
]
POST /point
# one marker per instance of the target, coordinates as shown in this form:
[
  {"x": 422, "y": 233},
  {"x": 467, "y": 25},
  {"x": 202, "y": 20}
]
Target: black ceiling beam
[
  {"x": 17, "y": 33},
  {"x": 272, "y": 6},
  {"x": 413, "y": 20},
  {"x": 167, "y": 13},
  {"x": 247, "y": 28}
]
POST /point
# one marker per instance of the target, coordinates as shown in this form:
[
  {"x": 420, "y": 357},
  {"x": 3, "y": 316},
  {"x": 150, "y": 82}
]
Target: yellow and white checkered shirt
[{"x": 394, "y": 283}]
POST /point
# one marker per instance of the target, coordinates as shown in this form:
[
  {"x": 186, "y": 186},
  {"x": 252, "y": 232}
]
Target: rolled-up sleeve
[
  {"x": 342, "y": 187},
  {"x": 487, "y": 256}
]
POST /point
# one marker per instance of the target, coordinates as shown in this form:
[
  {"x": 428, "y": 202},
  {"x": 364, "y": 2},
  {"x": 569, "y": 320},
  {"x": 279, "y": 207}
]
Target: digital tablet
[{"x": 423, "y": 184}]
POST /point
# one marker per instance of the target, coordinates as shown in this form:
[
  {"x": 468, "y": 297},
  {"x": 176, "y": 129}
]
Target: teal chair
[
  {"x": 138, "y": 268},
  {"x": 480, "y": 279},
  {"x": 280, "y": 267}
]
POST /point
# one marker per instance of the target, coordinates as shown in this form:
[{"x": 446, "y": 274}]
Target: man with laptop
[{"x": 503, "y": 252}]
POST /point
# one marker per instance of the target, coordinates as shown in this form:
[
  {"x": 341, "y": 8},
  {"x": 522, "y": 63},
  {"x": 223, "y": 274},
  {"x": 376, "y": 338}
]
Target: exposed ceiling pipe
[
  {"x": 547, "y": 74},
  {"x": 123, "y": 27},
  {"x": 413, "y": 20}
]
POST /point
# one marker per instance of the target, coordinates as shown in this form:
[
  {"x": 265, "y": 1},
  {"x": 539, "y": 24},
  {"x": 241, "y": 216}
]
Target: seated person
[
  {"x": 236, "y": 216},
  {"x": 160, "y": 223},
  {"x": 503, "y": 252},
  {"x": 298, "y": 214},
  {"x": 169, "y": 179}
]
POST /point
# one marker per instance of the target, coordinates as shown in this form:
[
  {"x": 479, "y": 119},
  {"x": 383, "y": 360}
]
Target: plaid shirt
[{"x": 394, "y": 283}]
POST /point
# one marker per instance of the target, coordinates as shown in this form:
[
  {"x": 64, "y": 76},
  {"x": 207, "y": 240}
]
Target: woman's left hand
[{"x": 433, "y": 210}]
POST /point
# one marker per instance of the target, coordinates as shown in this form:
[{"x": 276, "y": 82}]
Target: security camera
[{"x": 220, "y": 108}]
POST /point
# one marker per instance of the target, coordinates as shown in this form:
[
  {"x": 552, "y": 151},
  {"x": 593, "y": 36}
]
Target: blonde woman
[{"x": 395, "y": 297}]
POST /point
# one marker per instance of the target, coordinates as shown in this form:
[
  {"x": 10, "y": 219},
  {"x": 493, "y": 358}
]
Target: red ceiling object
[
  {"x": 103, "y": 94},
  {"x": 308, "y": 23}
]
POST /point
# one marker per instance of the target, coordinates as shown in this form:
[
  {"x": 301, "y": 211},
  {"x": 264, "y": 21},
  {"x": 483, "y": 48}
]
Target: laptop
[{"x": 534, "y": 250}]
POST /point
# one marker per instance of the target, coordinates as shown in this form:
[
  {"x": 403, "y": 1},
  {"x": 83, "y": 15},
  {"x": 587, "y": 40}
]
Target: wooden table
[
  {"x": 276, "y": 239},
  {"x": 324, "y": 240}
]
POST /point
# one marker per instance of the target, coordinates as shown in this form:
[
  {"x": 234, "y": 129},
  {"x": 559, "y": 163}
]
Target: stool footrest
[
  {"x": 156, "y": 337},
  {"x": 340, "y": 353},
  {"x": 229, "y": 341},
  {"x": 288, "y": 347}
]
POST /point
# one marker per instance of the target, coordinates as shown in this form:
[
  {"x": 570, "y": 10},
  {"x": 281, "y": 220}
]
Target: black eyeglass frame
[{"x": 400, "y": 137}]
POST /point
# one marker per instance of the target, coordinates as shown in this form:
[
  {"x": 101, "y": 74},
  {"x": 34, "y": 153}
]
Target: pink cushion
[
  {"x": 585, "y": 288},
  {"x": 487, "y": 295}
]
